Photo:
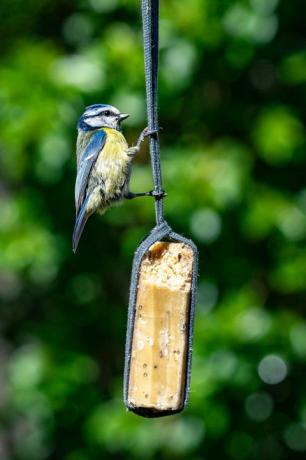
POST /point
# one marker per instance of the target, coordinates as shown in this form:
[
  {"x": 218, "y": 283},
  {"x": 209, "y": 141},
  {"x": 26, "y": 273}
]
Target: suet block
[{"x": 157, "y": 373}]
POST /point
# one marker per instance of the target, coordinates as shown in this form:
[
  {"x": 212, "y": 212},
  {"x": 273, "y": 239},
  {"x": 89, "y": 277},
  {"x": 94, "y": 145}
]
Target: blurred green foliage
[{"x": 232, "y": 105}]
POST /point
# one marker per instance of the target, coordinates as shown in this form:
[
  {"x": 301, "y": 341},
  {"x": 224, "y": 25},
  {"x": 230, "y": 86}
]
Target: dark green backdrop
[{"x": 232, "y": 108}]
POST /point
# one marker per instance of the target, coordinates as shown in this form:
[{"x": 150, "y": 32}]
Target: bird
[{"x": 103, "y": 160}]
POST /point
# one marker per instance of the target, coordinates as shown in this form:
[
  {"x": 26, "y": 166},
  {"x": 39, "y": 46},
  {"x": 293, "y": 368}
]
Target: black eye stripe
[{"x": 105, "y": 112}]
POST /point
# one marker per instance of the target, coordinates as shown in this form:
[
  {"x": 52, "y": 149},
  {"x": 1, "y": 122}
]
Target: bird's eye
[{"x": 107, "y": 113}]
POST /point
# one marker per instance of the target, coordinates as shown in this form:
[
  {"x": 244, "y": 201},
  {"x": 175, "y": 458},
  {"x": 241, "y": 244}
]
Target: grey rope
[{"x": 150, "y": 16}]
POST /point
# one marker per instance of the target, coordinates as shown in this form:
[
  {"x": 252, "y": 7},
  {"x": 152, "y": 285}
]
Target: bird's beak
[{"x": 123, "y": 116}]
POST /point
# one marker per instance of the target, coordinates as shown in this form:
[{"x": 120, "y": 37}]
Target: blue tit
[{"x": 103, "y": 164}]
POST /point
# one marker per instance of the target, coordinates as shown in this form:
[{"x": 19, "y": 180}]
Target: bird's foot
[
  {"x": 158, "y": 195},
  {"x": 146, "y": 133},
  {"x": 150, "y": 132},
  {"x": 132, "y": 151}
]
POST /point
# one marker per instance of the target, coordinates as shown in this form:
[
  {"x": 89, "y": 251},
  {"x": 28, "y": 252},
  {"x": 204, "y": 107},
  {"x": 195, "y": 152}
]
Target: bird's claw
[{"x": 150, "y": 132}]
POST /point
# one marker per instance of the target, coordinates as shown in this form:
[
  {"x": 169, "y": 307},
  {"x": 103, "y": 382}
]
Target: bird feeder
[{"x": 163, "y": 283}]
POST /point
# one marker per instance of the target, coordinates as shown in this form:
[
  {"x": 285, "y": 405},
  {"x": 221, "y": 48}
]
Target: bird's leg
[
  {"x": 131, "y": 195},
  {"x": 145, "y": 133},
  {"x": 153, "y": 193}
]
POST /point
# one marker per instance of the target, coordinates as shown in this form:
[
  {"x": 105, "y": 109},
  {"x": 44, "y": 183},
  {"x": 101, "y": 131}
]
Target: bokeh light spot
[
  {"x": 292, "y": 223},
  {"x": 241, "y": 21},
  {"x": 295, "y": 437},
  {"x": 103, "y": 5},
  {"x": 179, "y": 60},
  {"x": 77, "y": 28},
  {"x": 297, "y": 336},
  {"x": 253, "y": 323},
  {"x": 272, "y": 369},
  {"x": 277, "y": 134},
  {"x": 78, "y": 71},
  {"x": 223, "y": 364},
  {"x": 206, "y": 225},
  {"x": 259, "y": 406}
]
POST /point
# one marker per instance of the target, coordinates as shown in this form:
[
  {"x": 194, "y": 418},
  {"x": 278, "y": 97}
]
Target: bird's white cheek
[{"x": 94, "y": 122}]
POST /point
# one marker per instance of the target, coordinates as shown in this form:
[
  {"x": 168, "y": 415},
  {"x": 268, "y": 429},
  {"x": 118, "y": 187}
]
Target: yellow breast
[
  {"x": 115, "y": 145},
  {"x": 113, "y": 162}
]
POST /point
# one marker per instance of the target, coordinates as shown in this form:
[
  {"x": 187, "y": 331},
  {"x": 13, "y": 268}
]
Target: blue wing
[
  {"x": 80, "y": 224},
  {"x": 87, "y": 161}
]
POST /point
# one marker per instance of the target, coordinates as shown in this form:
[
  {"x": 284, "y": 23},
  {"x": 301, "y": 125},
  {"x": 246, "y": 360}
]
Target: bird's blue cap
[{"x": 96, "y": 106}]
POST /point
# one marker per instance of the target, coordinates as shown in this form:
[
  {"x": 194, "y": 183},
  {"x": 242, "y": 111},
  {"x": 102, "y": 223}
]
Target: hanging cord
[{"x": 150, "y": 16}]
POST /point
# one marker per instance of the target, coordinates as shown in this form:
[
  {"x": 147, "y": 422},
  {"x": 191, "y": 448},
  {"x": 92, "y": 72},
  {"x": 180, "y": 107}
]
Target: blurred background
[{"x": 232, "y": 108}]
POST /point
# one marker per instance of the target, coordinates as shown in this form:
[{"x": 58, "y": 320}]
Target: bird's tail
[{"x": 80, "y": 222}]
